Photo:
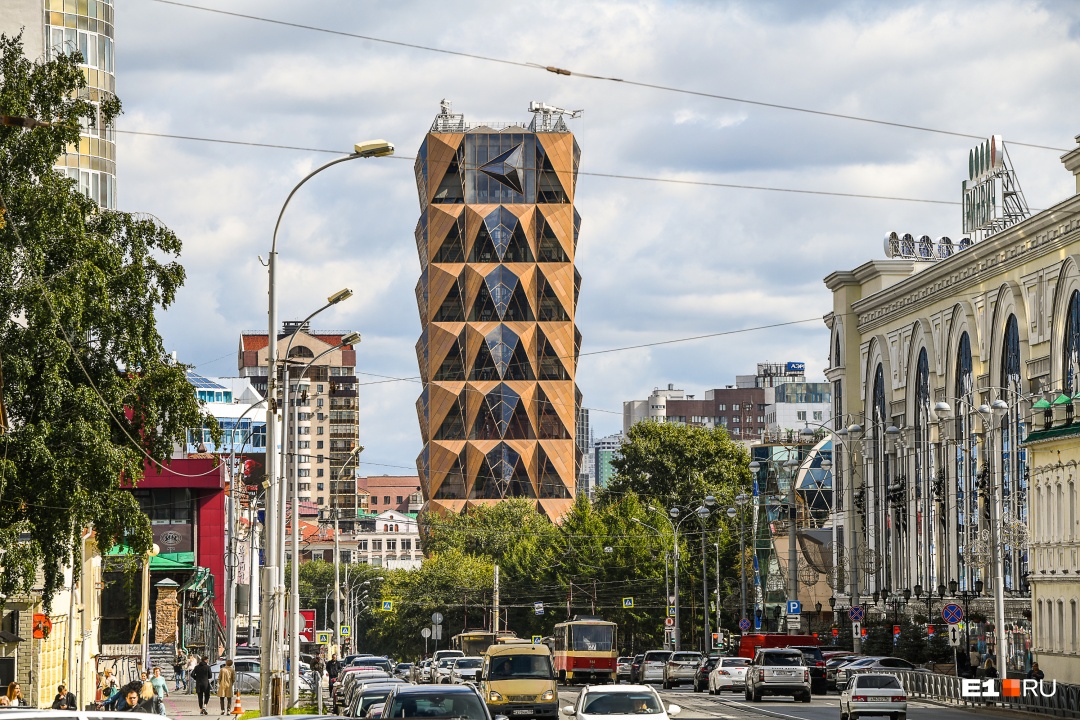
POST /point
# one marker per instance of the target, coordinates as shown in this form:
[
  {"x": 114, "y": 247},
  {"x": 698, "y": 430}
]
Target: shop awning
[{"x": 162, "y": 562}]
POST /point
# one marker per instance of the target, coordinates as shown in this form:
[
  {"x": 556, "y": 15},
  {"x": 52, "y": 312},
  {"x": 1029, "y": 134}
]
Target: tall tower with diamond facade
[{"x": 497, "y": 297}]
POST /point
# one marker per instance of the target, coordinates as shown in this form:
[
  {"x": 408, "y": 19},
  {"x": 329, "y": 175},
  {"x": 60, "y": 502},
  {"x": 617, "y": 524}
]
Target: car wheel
[
  {"x": 853, "y": 716},
  {"x": 806, "y": 697},
  {"x": 746, "y": 692},
  {"x": 756, "y": 696},
  {"x": 667, "y": 685},
  {"x": 843, "y": 715}
]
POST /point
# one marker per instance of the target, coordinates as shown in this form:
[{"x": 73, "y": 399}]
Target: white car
[
  {"x": 466, "y": 669},
  {"x": 617, "y": 702},
  {"x": 873, "y": 694},
  {"x": 729, "y": 674},
  {"x": 440, "y": 673},
  {"x": 653, "y": 664}
]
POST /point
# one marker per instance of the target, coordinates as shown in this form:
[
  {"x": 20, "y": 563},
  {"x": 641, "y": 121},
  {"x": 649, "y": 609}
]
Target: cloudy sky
[{"x": 659, "y": 261}]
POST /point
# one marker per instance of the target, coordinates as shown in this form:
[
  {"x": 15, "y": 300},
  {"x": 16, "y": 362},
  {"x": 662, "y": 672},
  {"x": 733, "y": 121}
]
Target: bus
[
  {"x": 476, "y": 642},
  {"x": 585, "y": 649}
]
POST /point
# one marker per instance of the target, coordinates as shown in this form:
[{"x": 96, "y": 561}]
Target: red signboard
[{"x": 308, "y": 631}]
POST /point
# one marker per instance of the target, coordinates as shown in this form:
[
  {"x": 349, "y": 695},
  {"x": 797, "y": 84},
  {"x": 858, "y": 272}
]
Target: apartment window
[
  {"x": 761, "y": 418},
  {"x": 319, "y": 431},
  {"x": 374, "y": 499},
  {"x": 303, "y": 472},
  {"x": 721, "y": 406},
  {"x": 319, "y": 402},
  {"x": 318, "y": 388},
  {"x": 319, "y": 473},
  {"x": 319, "y": 487},
  {"x": 319, "y": 444},
  {"x": 817, "y": 415},
  {"x": 391, "y": 545},
  {"x": 321, "y": 417},
  {"x": 376, "y": 545},
  {"x": 399, "y": 499},
  {"x": 406, "y": 544},
  {"x": 385, "y": 499},
  {"x": 735, "y": 420},
  {"x": 801, "y": 415},
  {"x": 376, "y": 561},
  {"x": 318, "y": 501},
  {"x": 361, "y": 545},
  {"x": 303, "y": 430},
  {"x": 720, "y": 421},
  {"x": 322, "y": 458},
  {"x": 761, "y": 407},
  {"x": 736, "y": 431}
]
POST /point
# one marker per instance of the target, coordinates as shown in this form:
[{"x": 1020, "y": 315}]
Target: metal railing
[{"x": 1064, "y": 703}]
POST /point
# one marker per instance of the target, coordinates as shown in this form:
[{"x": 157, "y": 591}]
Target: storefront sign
[
  {"x": 173, "y": 537},
  {"x": 982, "y": 190}
]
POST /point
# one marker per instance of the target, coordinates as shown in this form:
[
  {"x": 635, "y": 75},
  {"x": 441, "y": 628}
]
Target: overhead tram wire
[
  {"x": 590, "y": 76},
  {"x": 610, "y": 176}
]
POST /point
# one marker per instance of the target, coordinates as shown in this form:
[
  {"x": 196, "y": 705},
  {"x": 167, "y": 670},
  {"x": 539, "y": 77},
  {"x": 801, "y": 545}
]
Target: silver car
[
  {"x": 681, "y": 668},
  {"x": 778, "y": 671},
  {"x": 652, "y": 666},
  {"x": 873, "y": 694}
]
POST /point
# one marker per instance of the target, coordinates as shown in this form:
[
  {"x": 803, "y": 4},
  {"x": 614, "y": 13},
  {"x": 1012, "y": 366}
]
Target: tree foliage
[
  {"x": 86, "y": 381},
  {"x": 676, "y": 464}
]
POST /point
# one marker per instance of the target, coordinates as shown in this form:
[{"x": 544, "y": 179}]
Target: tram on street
[{"x": 585, "y": 649}]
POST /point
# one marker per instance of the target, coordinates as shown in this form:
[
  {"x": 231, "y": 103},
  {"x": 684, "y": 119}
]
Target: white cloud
[{"x": 657, "y": 261}]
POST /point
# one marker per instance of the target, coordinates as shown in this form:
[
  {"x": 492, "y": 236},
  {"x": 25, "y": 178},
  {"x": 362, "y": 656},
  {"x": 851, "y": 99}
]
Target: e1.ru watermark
[{"x": 1009, "y": 688}]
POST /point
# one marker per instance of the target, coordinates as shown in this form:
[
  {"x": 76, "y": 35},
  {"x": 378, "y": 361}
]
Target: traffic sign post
[
  {"x": 952, "y": 613},
  {"x": 388, "y": 605},
  {"x": 794, "y": 607},
  {"x": 671, "y": 611},
  {"x": 537, "y": 639},
  {"x": 794, "y": 622},
  {"x": 856, "y": 614},
  {"x": 628, "y": 602},
  {"x": 744, "y": 625},
  {"x": 670, "y": 622},
  {"x": 322, "y": 637},
  {"x": 436, "y": 618},
  {"x": 346, "y": 631},
  {"x": 538, "y": 608},
  {"x": 856, "y": 628},
  {"x": 954, "y": 635}
]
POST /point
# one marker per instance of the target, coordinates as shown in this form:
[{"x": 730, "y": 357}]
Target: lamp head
[
  {"x": 979, "y": 587},
  {"x": 952, "y": 587},
  {"x": 710, "y": 500},
  {"x": 732, "y": 512},
  {"x": 855, "y": 430},
  {"x": 742, "y": 499},
  {"x": 754, "y": 466},
  {"x": 806, "y": 432},
  {"x": 943, "y": 410},
  {"x": 832, "y": 602},
  {"x": 918, "y": 591},
  {"x": 703, "y": 512},
  {"x": 373, "y": 148},
  {"x": 674, "y": 512},
  {"x": 817, "y": 606},
  {"x": 999, "y": 407},
  {"x": 791, "y": 463},
  {"x": 339, "y": 296},
  {"x": 907, "y": 594},
  {"x": 826, "y": 464},
  {"x": 940, "y": 591},
  {"x": 350, "y": 339},
  {"x": 608, "y": 549}
]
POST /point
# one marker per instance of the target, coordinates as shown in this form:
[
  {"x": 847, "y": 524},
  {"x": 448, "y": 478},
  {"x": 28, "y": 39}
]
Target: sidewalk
[{"x": 181, "y": 705}]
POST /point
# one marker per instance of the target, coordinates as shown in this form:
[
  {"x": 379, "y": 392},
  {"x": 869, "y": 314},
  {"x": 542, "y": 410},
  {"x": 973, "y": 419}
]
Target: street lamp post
[
  {"x": 740, "y": 501},
  {"x": 270, "y": 682}
]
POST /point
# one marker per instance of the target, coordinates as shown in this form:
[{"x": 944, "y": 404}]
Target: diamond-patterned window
[
  {"x": 452, "y": 308},
  {"x": 577, "y": 228},
  {"x": 501, "y": 168},
  {"x": 502, "y": 474},
  {"x": 548, "y": 306},
  {"x": 450, "y": 190},
  {"x": 551, "y": 485},
  {"x": 452, "y": 248},
  {"x": 501, "y": 297},
  {"x": 548, "y": 361},
  {"x": 508, "y": 168},
  {"x": 548, "y": 247},
  {"x": 549, "y": 425},
  {"x": 508, "y": 354},
  {"x": 453, "y": 425},
  {"x": 501, "y": 239},
  {"x": 502, "y": 416},
  {"x": 420, "y": 233},
  {"x": 422, "y": 296},
  {"x": 452, "y": 367},
  {"x": 548, "y": 187},
  {"x": 452, "y": 486}
]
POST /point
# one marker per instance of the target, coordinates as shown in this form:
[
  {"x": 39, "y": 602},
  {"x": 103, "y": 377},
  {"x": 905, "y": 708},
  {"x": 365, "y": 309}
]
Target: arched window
[
  {"x": 836, "y": 351},
  {"x": 967, "y": 500},
  {"x": 1014, "y": 489},
  {"x": 875, "y": 498},
  {"x": 300, "y": 351},
  {"x": 1071, "y": 359},
  {"x": 924, "y": 478}
]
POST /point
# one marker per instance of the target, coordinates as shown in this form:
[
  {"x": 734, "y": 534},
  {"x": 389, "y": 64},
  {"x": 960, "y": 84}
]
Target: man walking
[{"x": 333, "y": 669}]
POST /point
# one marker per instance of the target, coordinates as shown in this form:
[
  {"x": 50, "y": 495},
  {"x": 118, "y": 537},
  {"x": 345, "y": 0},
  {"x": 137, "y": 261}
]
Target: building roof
[{"x": 255, "y": 341}]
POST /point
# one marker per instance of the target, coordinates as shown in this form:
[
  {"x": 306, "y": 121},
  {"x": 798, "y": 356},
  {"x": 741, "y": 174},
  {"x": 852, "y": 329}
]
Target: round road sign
[
  {"x": 670, "y": 621},
  {"x": 744, "y": 624},
  {"x": 952, "y": 613},
  {"x": 425, "y": 633},
  {"x": 436, "y": 618}
]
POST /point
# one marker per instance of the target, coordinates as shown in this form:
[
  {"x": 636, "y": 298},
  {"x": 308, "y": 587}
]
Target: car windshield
[
  {"x": 457, "y": 705},
  {"x": 447, "y": 662},
  {"x": 735, "y": 662},
  {"x": 686, "y": 657},
  {"x": 877, "y": 682},
  {"x": 622, "y": 703},
  {"x": 372, "y": 663},
  {"x": 784, "y": 659},
  {"x": 372, "y": 698},
  {"x": 657, "y": 656},
  {"x": 467, "y": 663},
  {"x": 504, "y": 667}
]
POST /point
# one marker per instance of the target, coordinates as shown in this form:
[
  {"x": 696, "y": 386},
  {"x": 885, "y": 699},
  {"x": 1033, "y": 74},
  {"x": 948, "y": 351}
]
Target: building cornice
[
  {"x": 868, "y": 271},
  {"x": 1040, "y": 234}
]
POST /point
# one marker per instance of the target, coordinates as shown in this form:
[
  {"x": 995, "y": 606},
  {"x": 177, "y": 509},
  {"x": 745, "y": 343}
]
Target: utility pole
[
  {"x": 705, "y": 593},
  {"x": 337, "y": 581},
  {"x": 495, "y": 603},
  {"x": 793, "y": 547},
  {"x": 269, "y": 691},
  {"x": 677, "y": 626}
]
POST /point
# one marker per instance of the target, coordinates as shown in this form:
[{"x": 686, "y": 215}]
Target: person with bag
[
  {"x": 201, "y": 675},
  {"x": 149, "y": 702}
]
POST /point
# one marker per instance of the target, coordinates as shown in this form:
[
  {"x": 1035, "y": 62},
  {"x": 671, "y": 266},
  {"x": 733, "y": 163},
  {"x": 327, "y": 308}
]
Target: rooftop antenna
[{"x": 548, "y": 118}]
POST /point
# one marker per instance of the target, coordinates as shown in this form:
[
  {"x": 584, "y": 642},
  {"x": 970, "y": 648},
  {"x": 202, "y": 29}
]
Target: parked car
[
  {"x": 247, "y": 675},
  {"x": 456, "y": 702},
  {"x": 680, "y": 668},
  {"x": 360, "y": 686},
  {"x": 778, "y": 671},
  {"x": 816, "y": 662},
  {"x": 729, "y": 674},
  {"x": 653, "y": 664},
  {"x": 635, "y": 669},
  {"x": 845, "y": 672},
  {"x": 403, "y": 670},
  {"x": 831, "y": 665},
  {"x": 373, "y": 661},
  {"x": 370, "y": 694},
  {"x": 622, "y": 669},
  {"x": 600, "y": 702},
  {"x": 873, "y": 694},
  {"x": 466, "y": 669},
  {"x": 701, "y": 677}
]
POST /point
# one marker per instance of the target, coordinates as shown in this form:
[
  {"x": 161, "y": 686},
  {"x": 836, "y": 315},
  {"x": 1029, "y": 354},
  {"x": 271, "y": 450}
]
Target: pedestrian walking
[
  {"x": 990, "y": 667},
  {"x": 333, "y": 669},
  {"x": 14, "y": 695},
  {"x": 201, "y": 674},
  {"x": 130, "y": 702},
  {"x": 178, "y": 670},
  {"x": 149, "y": 702},
  {"x": 161, "y": 688},
  {"x": 1035, "y": 673},
  {"x": 226, "y": 679},
  {"x": 192, "y": 661},
  {"x": 64, "y": 700}
]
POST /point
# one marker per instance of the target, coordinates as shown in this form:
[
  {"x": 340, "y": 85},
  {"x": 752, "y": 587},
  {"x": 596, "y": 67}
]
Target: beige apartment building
[{"x": 327, "y": 430}]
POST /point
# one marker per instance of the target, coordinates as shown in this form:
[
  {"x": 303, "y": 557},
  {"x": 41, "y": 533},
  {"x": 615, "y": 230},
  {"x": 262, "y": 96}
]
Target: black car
[
  {"x": 816, "y": 662},
  {"x": 701, "y": 677},
  {"x": 635, "y": 669},
  {"x": 450, "y": 702}
]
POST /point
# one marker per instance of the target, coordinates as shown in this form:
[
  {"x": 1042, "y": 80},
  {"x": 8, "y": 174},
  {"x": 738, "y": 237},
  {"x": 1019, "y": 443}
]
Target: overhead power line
[
  {"x": 615, "y": 176},
  {"x": 590, "y": 76}
]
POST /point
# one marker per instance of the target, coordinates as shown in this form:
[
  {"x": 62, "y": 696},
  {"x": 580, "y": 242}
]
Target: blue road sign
[
  {"x": 744, "y": 624},
  {"x": 952, "y": 613},
  {"x": 757, "y": 621},
  {"x": 856, "y": 614},
  {"x": 794, "y": 607}
]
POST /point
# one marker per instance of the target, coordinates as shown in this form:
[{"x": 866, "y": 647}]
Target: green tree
[
  {"x": 913, "y": 643},
  {"x": 88, "y": 389},
  {"x": 675, "y": 464}
]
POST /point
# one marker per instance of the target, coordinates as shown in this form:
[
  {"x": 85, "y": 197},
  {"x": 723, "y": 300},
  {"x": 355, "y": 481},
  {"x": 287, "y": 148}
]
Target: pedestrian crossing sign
[
  {"x": 628, "y": 602},
  {"x": 322, "y": 637},
  {"x": 537, "y": 639},
  {"x": 388, "y": 605},
  {"x": 346, "y": 631}
]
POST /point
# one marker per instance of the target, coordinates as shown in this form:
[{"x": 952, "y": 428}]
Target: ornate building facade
[
  {"x": 955, "y": 467},
  {"x": 497, "y": 297}
]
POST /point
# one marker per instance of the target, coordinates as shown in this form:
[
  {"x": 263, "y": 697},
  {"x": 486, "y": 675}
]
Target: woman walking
[
  {"x": 15, "y": 696},
  {"x": 178, "y": 670},
  {"x": 149, "y": 702},
  {"x": 201, "y": 674},
  {"x": 225, "y": 681},
  {"x": 192, "y": 661}
]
